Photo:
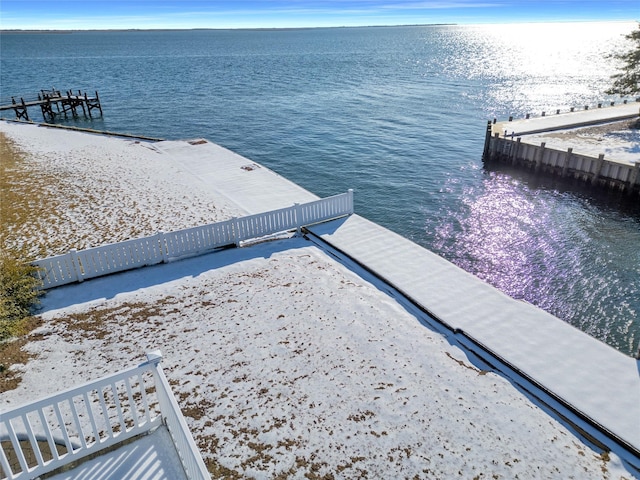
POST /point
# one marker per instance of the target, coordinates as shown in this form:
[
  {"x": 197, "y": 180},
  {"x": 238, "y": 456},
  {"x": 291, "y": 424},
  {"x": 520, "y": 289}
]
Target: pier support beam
[
  {"x": 93, "y": 103},
  {"x": 47, "y": 111},
  {"x": 494, "y": 146},
  {"x": 20, "y": 109}
]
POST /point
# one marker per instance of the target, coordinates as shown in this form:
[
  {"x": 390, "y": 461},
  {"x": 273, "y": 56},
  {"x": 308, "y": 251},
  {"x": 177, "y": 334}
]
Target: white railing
[
  {"x": 77, "y": 266},
  {"x": 43, "y": 436},
  {"x": 186, "y": 447}
]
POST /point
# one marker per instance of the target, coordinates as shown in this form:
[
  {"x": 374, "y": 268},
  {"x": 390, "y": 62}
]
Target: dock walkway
[
  {"x": 591, "y": 379},
  {"x": 562, "y": 121},
  {"x": 583, "y": 375}
]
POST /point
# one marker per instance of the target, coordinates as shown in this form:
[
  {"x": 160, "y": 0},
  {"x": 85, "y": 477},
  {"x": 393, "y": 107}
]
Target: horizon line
[{"x": 168, "y": 29}]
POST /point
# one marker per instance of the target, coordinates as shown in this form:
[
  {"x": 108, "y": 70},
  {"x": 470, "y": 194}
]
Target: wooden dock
[
  {"x": 54, "y": 103},
  {"x": 534, "y": 144}
]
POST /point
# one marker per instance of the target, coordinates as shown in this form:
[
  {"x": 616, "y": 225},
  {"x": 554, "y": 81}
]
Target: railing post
[
  {"x": 153, "y": 359},
  {"x": 236, "y": 230},
  {"x": 351, "y": 208},
  {"x": 298, "y": 214},
  {"x": 164, "y": 248},
  {"x": 77, "y": 268}
]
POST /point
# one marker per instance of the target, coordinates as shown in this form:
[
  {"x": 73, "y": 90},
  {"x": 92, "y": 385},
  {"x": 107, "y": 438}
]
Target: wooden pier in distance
[
  {"x": 54, "y": 103},
  {"x": 559, "y": 145}
]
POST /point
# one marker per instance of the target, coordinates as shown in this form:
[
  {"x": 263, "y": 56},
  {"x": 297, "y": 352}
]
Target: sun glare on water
[{"x": 538, "y": 58}]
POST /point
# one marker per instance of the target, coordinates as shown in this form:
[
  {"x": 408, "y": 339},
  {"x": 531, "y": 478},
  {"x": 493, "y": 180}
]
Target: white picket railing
[
  {"x": 77, "y": 266},
  {"x": 43, "y": 436}
]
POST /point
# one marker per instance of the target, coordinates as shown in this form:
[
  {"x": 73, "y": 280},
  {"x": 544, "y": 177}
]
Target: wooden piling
[
  {"x": 515, "y": 151},
  {"x": 487, "y": 140},
  {"x": 598, "y": 169},
  {"x": 540, "y": 157},
  {"x": 634, "y": 179},
  {"x": 20, "y": 109},
  {"x": 566, "y": 162}
]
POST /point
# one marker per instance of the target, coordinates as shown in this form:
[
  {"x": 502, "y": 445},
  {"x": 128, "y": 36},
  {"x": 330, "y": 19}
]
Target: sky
[{"x": 146, "y": 14}]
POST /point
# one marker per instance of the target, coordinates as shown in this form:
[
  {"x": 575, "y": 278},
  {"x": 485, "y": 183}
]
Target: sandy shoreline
[{"x": 284, "y": 361}]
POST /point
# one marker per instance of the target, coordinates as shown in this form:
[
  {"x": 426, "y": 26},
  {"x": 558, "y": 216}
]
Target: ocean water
[{"x": 399, "y": 115}]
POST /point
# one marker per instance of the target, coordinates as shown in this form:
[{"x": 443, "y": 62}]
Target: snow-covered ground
[
  {"x": 102, "y": 189},
  {"x": 618, "y": 141},
  {"x": 285, "y": 362}
]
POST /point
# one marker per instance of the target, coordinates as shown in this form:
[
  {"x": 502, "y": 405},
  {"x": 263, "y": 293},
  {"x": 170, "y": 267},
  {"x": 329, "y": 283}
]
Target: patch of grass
[
  {"x": 36, "y": 200},
  {"x": 197, "y": 410},
  {"x": 361, "y": 416},
  {"x": 18, "y": 294},
  {"x": 21, "y": 198},
  {"x": 18, "y": 283},
  {"x": 218, "y": 470},
  {"x": 100, "y": 323}
]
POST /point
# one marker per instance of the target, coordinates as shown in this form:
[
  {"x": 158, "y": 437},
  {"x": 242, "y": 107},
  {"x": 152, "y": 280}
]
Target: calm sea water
[{"x": 399, "y": 115}]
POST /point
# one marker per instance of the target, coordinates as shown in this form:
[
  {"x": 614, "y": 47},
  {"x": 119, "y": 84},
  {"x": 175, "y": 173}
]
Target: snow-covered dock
[{"x": 587, "y": 377}]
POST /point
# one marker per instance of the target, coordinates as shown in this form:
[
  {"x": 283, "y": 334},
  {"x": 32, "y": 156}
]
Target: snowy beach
[{"x": 285, "y": 361}]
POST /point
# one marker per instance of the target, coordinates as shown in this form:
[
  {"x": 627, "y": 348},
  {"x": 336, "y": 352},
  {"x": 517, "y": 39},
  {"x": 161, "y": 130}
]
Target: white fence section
[
  {"x": 77, "y": 266},
  {"x": 48, "y": 434}
]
